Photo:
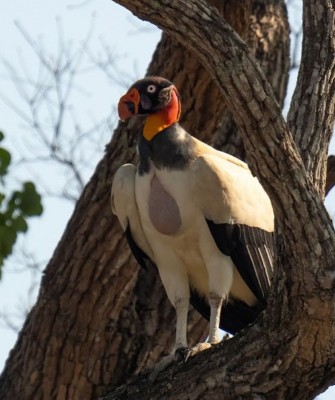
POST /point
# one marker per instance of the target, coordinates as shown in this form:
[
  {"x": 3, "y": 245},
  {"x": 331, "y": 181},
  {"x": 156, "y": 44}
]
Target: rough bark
[
  {"x": 311, "y": 115},
  {"x": 289, "y": 353},
  {"x": 98, "y": 320},
  {"x": 268, "y": 40}
]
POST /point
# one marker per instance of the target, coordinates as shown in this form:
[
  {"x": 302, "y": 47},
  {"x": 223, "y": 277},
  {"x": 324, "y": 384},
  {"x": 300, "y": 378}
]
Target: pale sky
[{"x": 132, "y": 42}]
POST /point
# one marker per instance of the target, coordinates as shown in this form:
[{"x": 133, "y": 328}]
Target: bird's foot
[
  {"x": 176, "y": 356},
  {"x": 180, "y": 354},
  {"x": 197, "y": 349},
  {"x": 193, "y": 351}
]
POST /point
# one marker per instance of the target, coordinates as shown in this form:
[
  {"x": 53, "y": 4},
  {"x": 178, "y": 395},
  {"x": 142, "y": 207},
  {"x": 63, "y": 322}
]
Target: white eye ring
[{"x": 151, "y": 89}]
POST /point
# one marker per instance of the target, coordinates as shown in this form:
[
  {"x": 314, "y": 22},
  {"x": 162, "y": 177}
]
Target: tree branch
[
  {"x": 308, "y": 238},
  {"x": 312, "y": 112}
]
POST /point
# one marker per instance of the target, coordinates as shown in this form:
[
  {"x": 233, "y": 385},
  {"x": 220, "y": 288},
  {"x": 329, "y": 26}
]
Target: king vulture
[{"x": 197, "y": 213}]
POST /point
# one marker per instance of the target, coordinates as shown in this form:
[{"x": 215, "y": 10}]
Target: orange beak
[{"x": 128, "y": 104}]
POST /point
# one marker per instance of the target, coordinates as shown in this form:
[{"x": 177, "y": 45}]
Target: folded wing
[
  {"x": 125, "y": 208},
  {"x": 240, "y": 219}
]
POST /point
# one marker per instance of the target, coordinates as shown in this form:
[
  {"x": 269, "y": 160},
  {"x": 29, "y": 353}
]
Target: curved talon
[
  {"x": 183, "y": 352},
  {"x": 226, "y": 337},
  {"x": 197, "y": 349}
]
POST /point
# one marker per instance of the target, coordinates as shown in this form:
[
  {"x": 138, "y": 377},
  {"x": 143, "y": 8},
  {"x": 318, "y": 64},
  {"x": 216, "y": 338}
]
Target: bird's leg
[
  {"x": 220, "y": 274},
  {"x": 215, "y": 302},
  {"x": 181, "y": 306}
]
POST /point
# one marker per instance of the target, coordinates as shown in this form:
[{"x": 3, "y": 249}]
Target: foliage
[{"x": 15, "y": 208}]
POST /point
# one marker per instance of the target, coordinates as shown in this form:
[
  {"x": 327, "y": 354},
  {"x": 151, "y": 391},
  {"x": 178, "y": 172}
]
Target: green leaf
[
  {"x": 2, "y": 196},
  {"x": 5, "y": 158},
  {"x": 7, "y": 240},
  {"x": 14, "y": 202},
  {"x": 14, "y": 208},
  {"x": 30, "y": 201},
  {"x": 19, "y": 224}
]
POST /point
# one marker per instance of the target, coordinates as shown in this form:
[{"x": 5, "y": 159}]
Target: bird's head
[{"x": 155, "y": 97}]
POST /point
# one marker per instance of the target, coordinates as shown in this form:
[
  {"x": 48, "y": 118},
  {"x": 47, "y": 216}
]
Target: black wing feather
[
  {"x": 138, "y": 253},
  {"x": 251, "y": 250}
]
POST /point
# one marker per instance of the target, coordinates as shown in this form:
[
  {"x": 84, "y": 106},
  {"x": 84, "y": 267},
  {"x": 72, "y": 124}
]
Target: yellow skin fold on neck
[
  {"x": 163, "y": 118},
  {"x": 154, "y": 124}
]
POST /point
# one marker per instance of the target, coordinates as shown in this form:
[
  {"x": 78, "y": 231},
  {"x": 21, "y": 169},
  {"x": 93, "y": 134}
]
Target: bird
[{"x": 196, "y": 213}]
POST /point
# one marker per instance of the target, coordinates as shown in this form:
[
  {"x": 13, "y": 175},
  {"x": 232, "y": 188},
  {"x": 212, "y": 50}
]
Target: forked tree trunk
[
  {"x": 99, "y": 320},
  {"x": 289, "y": 353}
]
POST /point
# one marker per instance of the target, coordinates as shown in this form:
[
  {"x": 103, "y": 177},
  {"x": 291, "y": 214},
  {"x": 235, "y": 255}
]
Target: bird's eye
[{"x": 151, "y": 89}]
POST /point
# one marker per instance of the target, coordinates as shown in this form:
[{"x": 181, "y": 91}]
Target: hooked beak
[{"x": 128, "y": 104}]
